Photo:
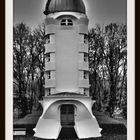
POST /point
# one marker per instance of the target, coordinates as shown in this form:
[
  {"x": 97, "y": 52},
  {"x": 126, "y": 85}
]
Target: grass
[
  {"x": 112, "y": 129},
  {"x": 104, "y": 137}
]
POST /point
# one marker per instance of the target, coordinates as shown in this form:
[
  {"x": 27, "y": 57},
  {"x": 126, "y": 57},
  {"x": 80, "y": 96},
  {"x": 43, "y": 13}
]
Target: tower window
[
  {"x": 85, "y": 57},
  {"x": 84, "y": 91},
  {"x": 48, "y": 57},
  {"x": 48, "y": 75},
  {"x": 85, "y": 39},
  {"x": 85, "y": 75},
  {"x": 48, "y": 40},
  {"x": 48, "y": 91},
  {"x": 66, "y": 22}
]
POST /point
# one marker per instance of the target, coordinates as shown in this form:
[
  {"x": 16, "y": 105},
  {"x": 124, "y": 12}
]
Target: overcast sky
[{"x": 98, "y": 11}]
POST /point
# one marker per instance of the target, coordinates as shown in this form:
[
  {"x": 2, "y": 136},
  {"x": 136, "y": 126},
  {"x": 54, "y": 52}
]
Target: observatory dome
[{"x": 53, "y": 6}]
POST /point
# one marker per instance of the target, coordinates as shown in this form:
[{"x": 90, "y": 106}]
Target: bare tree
[
  {"x": 20, "y": 43},
  {"x": 108, "y": 65}
]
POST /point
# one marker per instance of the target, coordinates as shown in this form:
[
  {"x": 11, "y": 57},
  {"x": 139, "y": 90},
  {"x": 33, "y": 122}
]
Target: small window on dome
[{"x": 66, "y": 22}]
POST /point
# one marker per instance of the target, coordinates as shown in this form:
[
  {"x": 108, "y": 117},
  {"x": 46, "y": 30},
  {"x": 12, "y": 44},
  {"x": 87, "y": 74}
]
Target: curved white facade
[
  {"x": 49, "y": 126},
  {"x": 66, "y": 47},
  {"x": 66, "y": 78}
]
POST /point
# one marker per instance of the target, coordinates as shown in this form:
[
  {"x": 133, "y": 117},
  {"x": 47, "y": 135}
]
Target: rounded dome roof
[{"x": 53, "y": 6}]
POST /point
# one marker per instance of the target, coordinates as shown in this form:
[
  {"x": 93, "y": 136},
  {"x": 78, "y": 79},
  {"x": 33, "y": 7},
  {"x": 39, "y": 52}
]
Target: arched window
[{"x": 66, "y": 22}]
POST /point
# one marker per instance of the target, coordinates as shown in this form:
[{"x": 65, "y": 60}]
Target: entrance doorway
[
  {"x": 67, "y": 115},
  {"x": 67, "y": 122}
]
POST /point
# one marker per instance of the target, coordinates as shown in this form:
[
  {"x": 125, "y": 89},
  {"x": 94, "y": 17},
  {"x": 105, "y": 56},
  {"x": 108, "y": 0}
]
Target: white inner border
[
  {"x": 9, "y": 70},
  {"x": 131, "y": 70}
]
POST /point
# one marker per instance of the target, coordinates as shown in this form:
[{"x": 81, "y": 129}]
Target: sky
[{"x": 98, "y": 11}]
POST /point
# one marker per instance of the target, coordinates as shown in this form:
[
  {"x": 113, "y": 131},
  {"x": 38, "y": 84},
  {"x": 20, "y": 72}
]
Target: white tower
[
  {"x": 66, "y": 65},
  {"x": 66, "y": 101}
]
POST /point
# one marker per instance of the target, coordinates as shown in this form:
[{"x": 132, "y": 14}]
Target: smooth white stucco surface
[
  {"x": 87, "y": 128},
  {"x": 49, "y": 126},
  {"x": 66, "y": 50},
  {"x": 67, "y": 60}
]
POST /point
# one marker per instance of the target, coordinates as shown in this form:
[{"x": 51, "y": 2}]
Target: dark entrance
[
  {"x": 67, "y": 115},
  {"x": 67, "y": 122}
]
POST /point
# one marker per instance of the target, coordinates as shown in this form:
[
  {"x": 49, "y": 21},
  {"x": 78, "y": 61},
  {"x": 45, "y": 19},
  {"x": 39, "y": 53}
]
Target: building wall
[
  {"x": 86, "y": 125},
  {"x": 66, "y": 48},
  {"x": 67, "y": 60}
]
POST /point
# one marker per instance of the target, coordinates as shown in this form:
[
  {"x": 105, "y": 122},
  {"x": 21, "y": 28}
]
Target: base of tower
[
  {"x": 67, "y": 111},
  {"x": 108, "y": 125}
]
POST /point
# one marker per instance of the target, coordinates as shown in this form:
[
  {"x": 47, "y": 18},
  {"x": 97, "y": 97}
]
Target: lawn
[
  {"x": 104, "y": 137},
  {"x": 112, "y": 129}
]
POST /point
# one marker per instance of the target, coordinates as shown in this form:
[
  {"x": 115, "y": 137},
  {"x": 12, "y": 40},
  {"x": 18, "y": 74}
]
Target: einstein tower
[{"x": 66, "y": 102}]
